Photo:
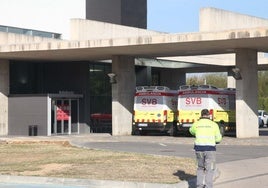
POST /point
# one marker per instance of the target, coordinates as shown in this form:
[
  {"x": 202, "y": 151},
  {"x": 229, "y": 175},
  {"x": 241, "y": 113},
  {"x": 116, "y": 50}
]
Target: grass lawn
[{"x": 60, "y": 159}]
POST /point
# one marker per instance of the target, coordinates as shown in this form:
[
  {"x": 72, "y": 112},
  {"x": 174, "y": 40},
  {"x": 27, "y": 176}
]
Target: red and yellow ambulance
[
  {"x": 155, "y": 109},
  {"x": 220, "y": 103}
]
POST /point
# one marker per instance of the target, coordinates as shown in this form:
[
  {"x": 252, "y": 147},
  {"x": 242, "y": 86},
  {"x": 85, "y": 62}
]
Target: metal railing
[{"x": 30, "y": 32}]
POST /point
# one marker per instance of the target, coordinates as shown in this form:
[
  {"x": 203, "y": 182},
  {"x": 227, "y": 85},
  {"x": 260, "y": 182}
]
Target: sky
[{"x": 173, "y": 16}]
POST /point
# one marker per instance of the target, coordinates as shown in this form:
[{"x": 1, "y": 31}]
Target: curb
[{"x": 32, "y": 180}]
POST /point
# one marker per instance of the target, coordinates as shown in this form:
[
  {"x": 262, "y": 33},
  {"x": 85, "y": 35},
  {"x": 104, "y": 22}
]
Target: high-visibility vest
[{"x": 206, "y": 132}]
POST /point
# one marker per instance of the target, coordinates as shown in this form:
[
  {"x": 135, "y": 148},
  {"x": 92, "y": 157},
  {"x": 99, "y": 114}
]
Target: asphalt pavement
[
  {"x": 225, "y": 153},
  {"x": 241, "y": 162}
]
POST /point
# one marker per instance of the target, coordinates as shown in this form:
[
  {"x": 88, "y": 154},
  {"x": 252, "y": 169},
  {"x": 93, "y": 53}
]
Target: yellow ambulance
[
  {"x": 155, "y": 109},
  {"x": 220, "y": 103}
]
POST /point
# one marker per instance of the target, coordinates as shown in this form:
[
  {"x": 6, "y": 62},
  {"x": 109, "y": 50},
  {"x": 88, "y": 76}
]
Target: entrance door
[{"x": 65, "y": 116}]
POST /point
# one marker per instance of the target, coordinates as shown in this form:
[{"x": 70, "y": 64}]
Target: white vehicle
[
  {"x": 263, "y": 118},
  {"x": 155, "y": 109},
  {"x": 219, "y": 102}
]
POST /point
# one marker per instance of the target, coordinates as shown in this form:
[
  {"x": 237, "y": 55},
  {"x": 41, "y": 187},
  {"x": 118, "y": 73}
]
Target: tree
[
  {"x": 263, "y": 90},
  {"x": 215, "y": 79}
]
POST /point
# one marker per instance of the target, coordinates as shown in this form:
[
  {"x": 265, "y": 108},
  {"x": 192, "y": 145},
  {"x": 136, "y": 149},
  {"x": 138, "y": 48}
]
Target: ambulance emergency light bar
[
  {"x": 152, "y": 88},
  {"x": 191, "y": 87}
]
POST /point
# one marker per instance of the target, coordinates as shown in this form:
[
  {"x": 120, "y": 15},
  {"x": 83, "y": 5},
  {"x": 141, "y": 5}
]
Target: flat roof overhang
[{"x": 162, "y": 45}]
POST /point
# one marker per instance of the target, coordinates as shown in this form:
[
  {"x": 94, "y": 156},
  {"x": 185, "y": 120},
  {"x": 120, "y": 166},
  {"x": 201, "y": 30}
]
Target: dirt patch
[
  {"x": 59, "y": 159},
  {"x": 47, "y": 169}
]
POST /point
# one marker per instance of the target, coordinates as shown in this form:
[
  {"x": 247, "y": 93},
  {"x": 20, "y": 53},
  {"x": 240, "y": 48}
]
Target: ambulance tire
[
  {"x": 187, "y": 133},
  {"x": 173, "y": 130},
  {"x": 139, "y": 132},
  {"x": 142, "y": 133},
  {"x": 136, "y": 132}
]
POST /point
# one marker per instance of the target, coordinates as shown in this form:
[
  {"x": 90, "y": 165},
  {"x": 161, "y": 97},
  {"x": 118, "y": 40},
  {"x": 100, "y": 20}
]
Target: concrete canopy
[
  {"x": 162, "y": 45},
  {"x": 245, "y": 43}
]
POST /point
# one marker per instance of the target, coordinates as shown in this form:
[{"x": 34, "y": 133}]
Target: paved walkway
[{"x": 244, "y": 173}]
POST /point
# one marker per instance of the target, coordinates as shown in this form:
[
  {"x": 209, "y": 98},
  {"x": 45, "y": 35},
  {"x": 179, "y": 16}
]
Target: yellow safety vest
[{"x": 206, "y": 132}]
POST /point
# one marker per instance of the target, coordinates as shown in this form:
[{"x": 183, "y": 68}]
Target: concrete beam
[
  {"x": 160, "y": 45},
  {"x": 123, "y": 94},
  {"x": 247, "y": 94}
]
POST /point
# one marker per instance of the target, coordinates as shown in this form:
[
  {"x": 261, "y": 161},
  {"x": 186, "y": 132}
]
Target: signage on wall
[{"x": 63, "y": 112}]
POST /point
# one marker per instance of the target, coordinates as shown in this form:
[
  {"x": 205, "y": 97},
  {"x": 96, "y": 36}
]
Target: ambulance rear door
[
  {"x": 190, "y": 104},
  {"x": 148, "y": 107}
]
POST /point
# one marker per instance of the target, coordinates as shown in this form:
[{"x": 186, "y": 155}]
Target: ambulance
[
  {"x": 155, "y": 109},
  {"x": 220, "y": 103}
]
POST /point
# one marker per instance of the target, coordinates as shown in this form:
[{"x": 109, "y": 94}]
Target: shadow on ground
[
  {"x": 183, "y": 176},
  {"x": 186, "y": 177}
]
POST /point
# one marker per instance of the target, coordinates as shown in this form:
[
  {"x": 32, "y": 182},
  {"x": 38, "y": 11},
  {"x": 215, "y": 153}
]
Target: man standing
[{"x": 207, "y": 135}]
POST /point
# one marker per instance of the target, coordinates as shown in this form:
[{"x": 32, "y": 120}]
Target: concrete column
[
  {"x": 230, "y": 80},
  {"x": 172, "y": 78},
  {"x": 247, "y": 94},
  {"x": 4, "y": 91},
  {"x": 123, "y": 94}
]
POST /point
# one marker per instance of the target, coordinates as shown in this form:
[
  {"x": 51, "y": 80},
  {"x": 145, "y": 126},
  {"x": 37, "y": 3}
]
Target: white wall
[
  {"x": 213, "y": 19},
  {"x": 81, "y": 29}
]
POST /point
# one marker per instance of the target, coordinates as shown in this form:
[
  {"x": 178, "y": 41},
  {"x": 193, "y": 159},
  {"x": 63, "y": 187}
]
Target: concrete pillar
[
  {"x": 172, "y": 78},
  {"x": 4, "y": 91},
  {"x": 123, "y": 94},
  {"x": 247, "y": 94},
  {"x": 230, "y": 80}
]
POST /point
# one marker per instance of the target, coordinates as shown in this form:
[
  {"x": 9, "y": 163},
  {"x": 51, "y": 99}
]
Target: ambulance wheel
[
  {"x": 187, "y": 134},
  {"x": 143, "y": 133},
  {"x": 136, "y": 132},
  {"x": 173, "y": 130}
]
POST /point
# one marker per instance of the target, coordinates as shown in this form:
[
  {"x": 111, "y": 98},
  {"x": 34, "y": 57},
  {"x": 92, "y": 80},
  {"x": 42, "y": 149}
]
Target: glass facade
[
  {"x": 155, "y": 78},
  {"x": 86, "y": 78},
  {"x": 26, "y": 78},
  {"x": 31, "y": 32},
  {"x": 89, "y": 79},
  {"x": 100, "y": 88}
]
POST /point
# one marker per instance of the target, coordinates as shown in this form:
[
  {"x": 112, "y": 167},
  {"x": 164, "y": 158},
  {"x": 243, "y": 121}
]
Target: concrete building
[
  {"x": 123, "y": 12},
  {"x": 57, "y": 84}
]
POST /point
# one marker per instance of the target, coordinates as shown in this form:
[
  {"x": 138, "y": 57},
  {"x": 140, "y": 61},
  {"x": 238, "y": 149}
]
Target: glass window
[
  {"x": 24, "y": 78},
  {"x": 155, "y": 78},
  {"x": 100, "y": 88}
]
